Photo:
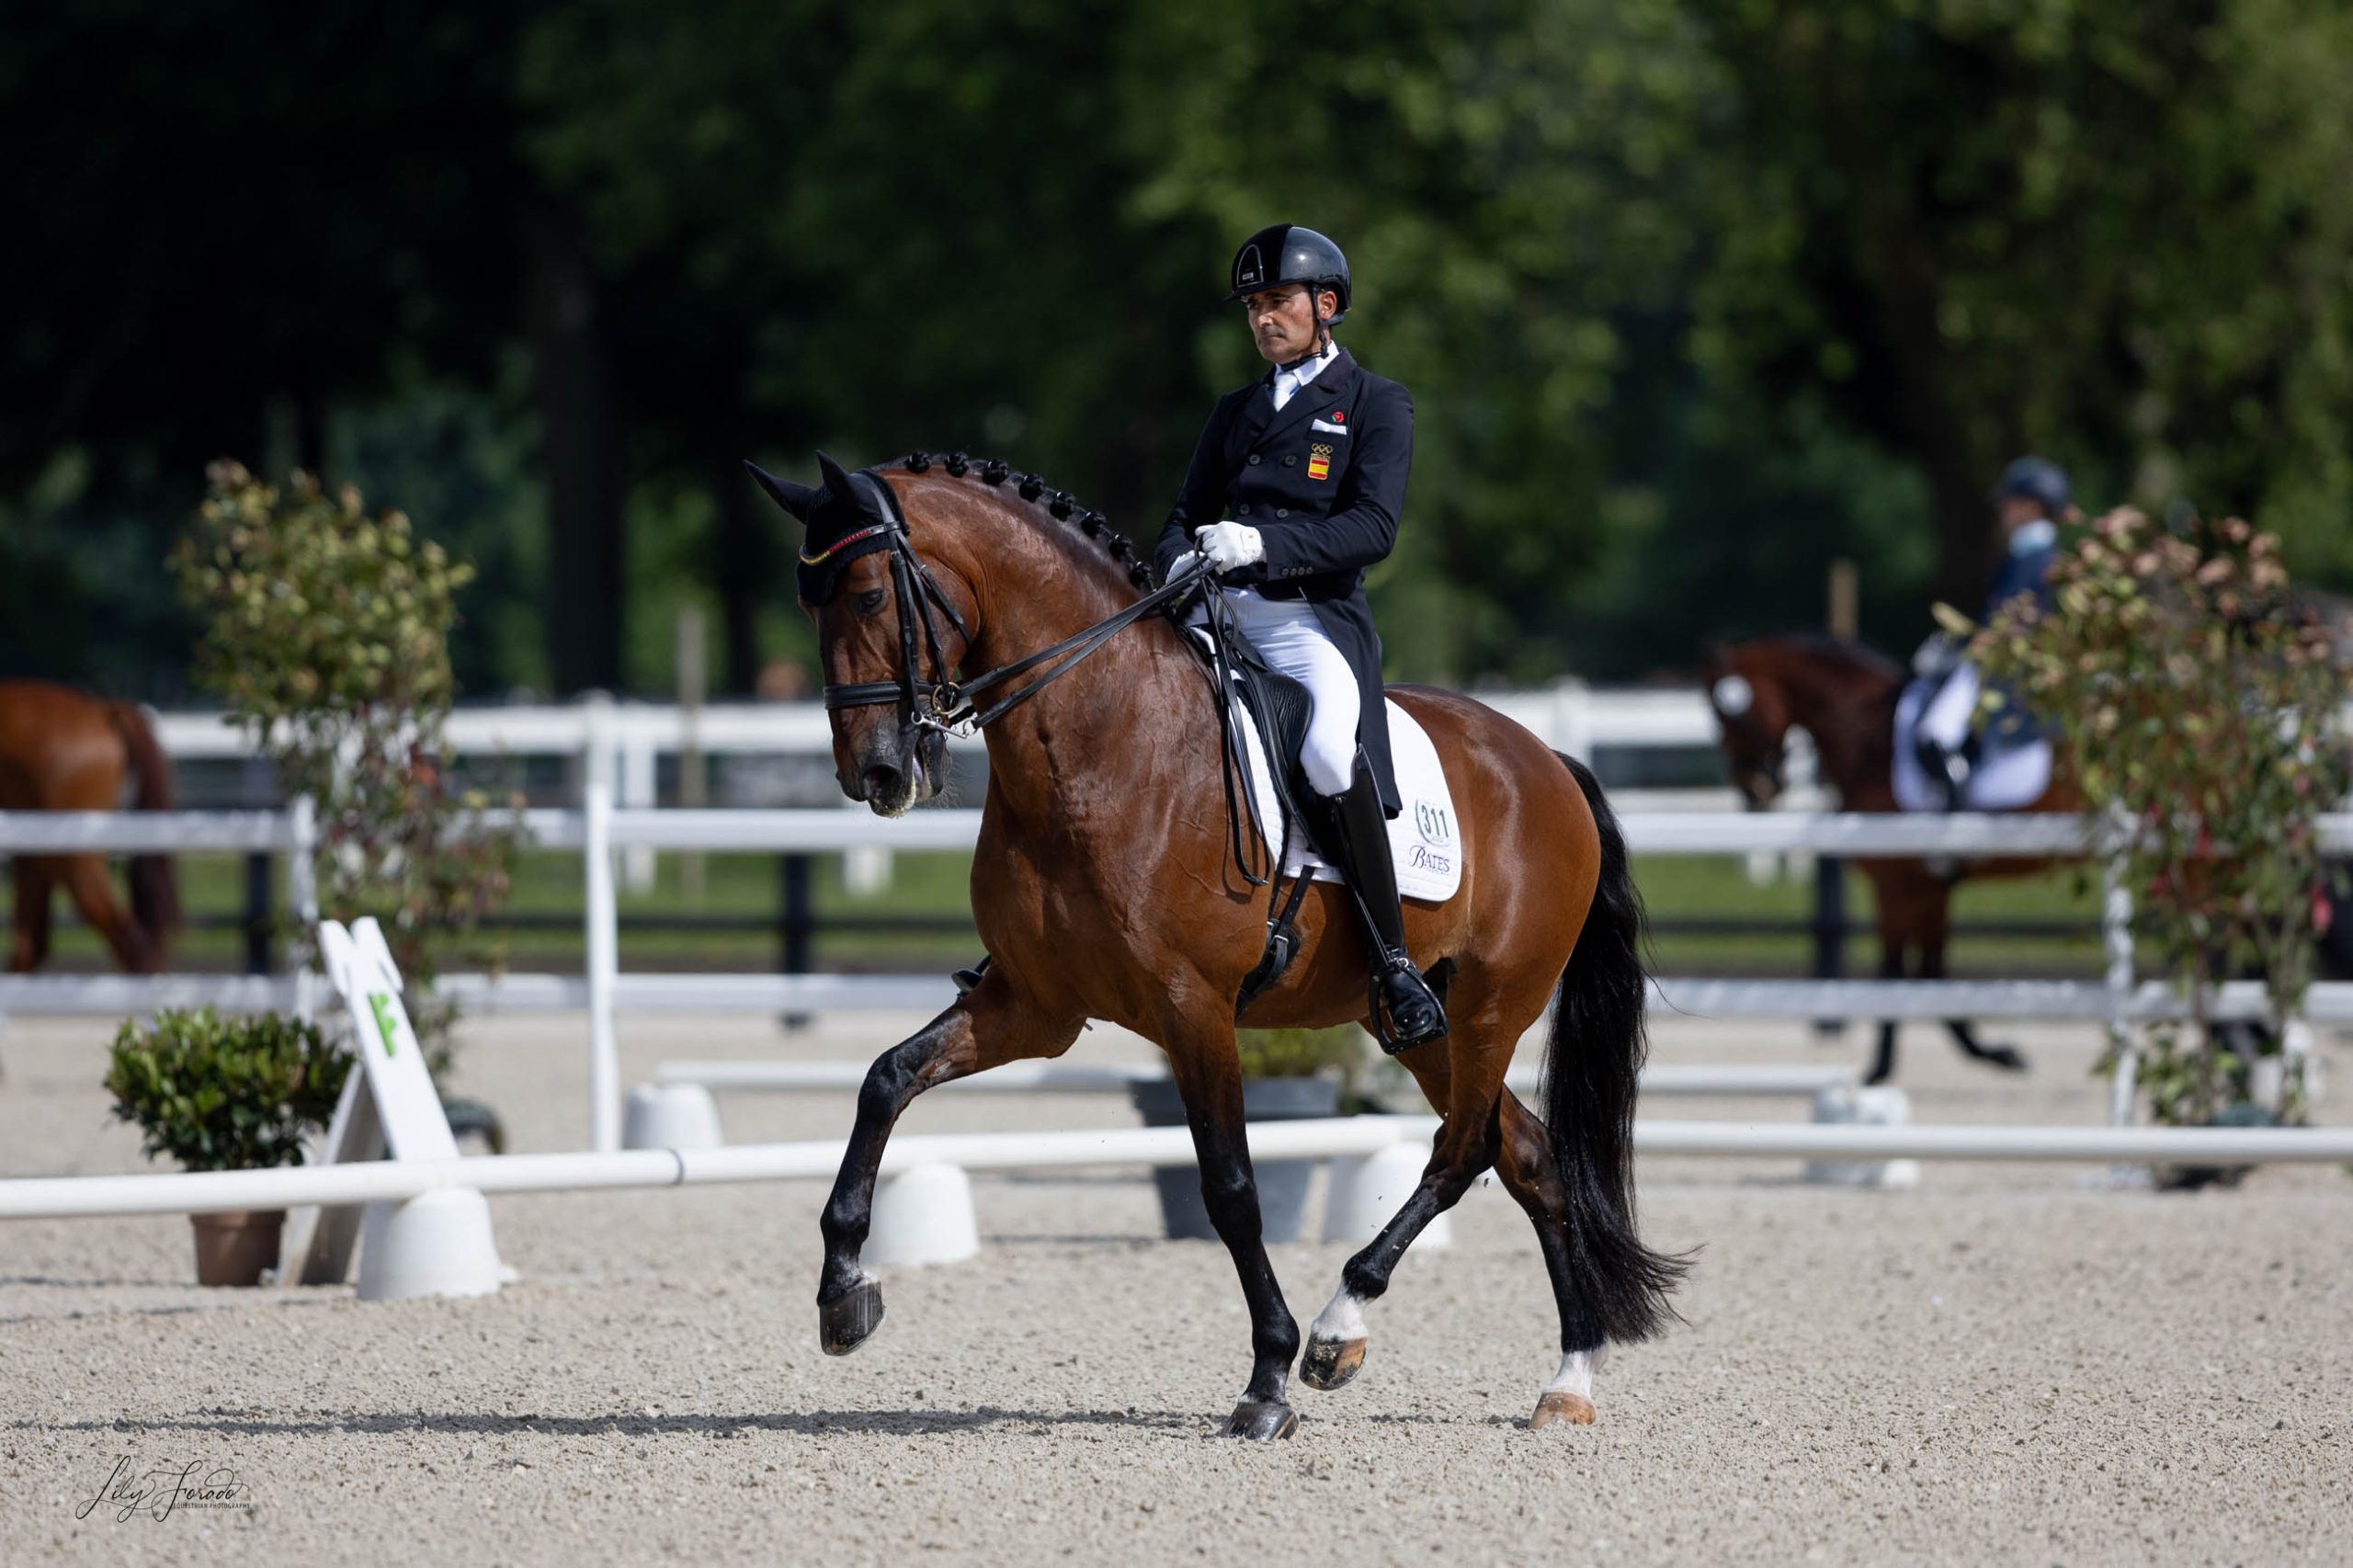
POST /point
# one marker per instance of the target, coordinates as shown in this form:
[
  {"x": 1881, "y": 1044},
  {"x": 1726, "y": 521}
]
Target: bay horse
[
  {"x": 1844, "y": 694},
  {"x": 1102, "y": 888},
  {"x": 63, "y": 750}
]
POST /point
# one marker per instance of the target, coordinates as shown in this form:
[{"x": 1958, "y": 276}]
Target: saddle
[
  {"x": 1259, "y": 758},
  {"x": 1279, "y": 708}
]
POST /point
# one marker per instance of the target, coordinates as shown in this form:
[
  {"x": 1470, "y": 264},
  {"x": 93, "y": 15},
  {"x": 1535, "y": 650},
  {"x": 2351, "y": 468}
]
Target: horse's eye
[{"x": 869, "y": 601}]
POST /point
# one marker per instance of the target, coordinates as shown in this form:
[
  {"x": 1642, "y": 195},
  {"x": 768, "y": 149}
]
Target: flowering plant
[
  {"x": 329, "y": 641},
  {"x": 2199, "y": 703}
]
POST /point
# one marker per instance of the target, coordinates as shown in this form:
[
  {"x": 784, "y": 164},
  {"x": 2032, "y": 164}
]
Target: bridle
[{"x": 949, "y": 707}]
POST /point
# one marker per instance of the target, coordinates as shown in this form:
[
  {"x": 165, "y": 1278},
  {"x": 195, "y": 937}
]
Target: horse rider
[
  {"x": 1294, "y": 490},
  {"x": 2031, "y": 500}
]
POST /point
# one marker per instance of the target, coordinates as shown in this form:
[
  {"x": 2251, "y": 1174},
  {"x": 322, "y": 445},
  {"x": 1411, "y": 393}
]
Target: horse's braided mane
[{"x": 1032, "y": 488}]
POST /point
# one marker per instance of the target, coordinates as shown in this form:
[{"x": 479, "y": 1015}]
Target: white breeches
[
  {"x": 1288, "y": 636},
  {"x": 1950, "y": 715}
]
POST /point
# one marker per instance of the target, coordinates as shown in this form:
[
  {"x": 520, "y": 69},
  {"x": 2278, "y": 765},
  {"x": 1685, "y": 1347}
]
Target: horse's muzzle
[{"x": 889, "y": 785}]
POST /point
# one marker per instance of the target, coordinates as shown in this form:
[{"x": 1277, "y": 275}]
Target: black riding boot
[
  {"x": 1948, "y": 771},
  {"x": 1353, "y": 832}
]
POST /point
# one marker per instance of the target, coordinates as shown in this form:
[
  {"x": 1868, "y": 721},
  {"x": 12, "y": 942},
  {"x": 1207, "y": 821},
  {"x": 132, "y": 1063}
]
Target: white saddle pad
[
  {"x": 2006, "y": 780},
  {"x": 1423, "y": 842}
]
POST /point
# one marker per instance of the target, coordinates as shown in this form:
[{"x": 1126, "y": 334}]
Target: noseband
[{"x": 941, "y": 704}]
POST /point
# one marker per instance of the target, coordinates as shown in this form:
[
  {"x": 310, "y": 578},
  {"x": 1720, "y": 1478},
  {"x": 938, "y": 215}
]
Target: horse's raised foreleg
[
  {"x": 1209, "y": 1077},
  {"x": 995, "y": 1022},
  {"x": 1464, "y": 1147}
]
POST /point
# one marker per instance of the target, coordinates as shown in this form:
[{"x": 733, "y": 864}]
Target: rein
[{"x": 955, "y": 708}]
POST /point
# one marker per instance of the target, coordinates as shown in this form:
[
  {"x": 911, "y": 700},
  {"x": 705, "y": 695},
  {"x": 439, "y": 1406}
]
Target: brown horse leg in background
[
  {"x": 63, "y": 751},
  {"x": 86, "y": 882},
  {"x": 1914, "y": 910},
  {"x": 29, "y": 947}
]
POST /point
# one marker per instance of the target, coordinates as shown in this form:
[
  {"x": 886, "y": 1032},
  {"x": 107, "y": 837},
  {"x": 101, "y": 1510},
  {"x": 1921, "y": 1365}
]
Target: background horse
[
  {"x": 1103, "y": 889},
  {"x": 1844, "y": 696},
  {"x": 63, "y": 751}
]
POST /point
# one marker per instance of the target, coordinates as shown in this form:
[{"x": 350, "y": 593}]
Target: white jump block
[
  {"x": 671, "y": 1115},
  {"x": 1854, "y": 1105},
  {"x": 1366, "y": 1192},
  {"x": 923, "y": 1215},
  {"x": 436, "y": 1244}
]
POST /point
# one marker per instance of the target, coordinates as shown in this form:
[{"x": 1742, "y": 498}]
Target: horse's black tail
[
  {"x": 1591, "y": 1063},
  {"x": 154, "y": 889}
]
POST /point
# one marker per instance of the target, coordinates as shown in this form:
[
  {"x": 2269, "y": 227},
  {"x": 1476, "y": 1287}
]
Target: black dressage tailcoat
[{"x": 1323, "y": 481}]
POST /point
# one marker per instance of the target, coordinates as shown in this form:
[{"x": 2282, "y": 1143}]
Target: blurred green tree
[
  {"x": 2114, "y": 232},
  {"x": 1692, "y": 297}
]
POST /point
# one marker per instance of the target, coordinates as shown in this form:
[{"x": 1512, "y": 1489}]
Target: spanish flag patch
[{"x": 1319, "y": 460}]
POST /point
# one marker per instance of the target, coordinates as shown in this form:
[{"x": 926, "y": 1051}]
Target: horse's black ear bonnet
[{"x": 853, "y": 515}]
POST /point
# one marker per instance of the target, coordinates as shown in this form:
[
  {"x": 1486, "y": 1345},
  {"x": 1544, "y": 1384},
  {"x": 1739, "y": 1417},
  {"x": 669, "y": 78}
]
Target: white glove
[{"x": 1228, "y": 545}]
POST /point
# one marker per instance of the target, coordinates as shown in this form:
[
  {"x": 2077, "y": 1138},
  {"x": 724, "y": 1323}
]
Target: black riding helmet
[
  {"x": 1285, "y": 253},
  {"x": 2041, "y": 481}
]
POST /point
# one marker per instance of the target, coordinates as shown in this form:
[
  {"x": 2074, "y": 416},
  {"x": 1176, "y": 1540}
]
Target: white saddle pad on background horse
[
  {"x": 1423, "y": 842},
  {"x": 2007, "y": 778}
]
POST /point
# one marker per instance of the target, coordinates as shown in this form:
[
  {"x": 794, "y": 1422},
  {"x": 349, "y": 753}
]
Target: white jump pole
[
  {"x": 48, "y": 1198},
  {"x": 604, "y": 963},
  {"x": 1118, "y": 1077}
]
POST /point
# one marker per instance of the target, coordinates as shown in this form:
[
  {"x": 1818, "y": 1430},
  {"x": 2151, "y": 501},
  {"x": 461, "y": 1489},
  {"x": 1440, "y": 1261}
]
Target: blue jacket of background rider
[{"x": 2024, "y": 572}]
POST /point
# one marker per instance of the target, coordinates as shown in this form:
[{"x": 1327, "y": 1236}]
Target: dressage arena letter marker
[{"x": 389, "y": 1105}]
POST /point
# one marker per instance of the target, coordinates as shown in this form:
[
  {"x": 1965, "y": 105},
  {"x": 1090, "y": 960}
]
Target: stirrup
[
  {"x": 967, "y": 979},
  {"x": 1404, "y": 1007}
]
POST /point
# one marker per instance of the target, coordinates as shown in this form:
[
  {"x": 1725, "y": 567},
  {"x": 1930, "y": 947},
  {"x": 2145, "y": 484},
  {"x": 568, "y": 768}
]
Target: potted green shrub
[
  {"x": 1287, "y": 1075},
  {"x": 226, "y": 1095}
]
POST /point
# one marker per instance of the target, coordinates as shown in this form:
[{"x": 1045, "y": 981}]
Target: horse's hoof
[
  {"x": 850, "y": 1319},
  {"x": 1262, "y": 1420},
  {"x": 1330, "y": 1362},
  {"x": 2005, "y": 1057},
  {"x": 1558, "y": 1406}
]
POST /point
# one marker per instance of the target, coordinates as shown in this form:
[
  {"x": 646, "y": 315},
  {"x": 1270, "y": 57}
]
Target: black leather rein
[{"x": 952, "y": 707}]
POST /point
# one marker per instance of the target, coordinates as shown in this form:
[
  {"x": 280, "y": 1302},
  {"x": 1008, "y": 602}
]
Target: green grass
[{"x": 936, "y": 885}]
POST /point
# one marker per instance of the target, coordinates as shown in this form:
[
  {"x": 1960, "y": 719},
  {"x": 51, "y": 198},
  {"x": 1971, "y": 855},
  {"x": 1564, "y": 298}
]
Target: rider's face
[
  {"x": 1282, "y": 323},
  {"x": 2018, "y": 511}
]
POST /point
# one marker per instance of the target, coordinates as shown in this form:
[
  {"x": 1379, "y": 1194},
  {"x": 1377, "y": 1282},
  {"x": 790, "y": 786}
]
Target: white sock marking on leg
[
  {"x": 1575, "y": 1375},
  {"x": 1342, "y": 1319}
]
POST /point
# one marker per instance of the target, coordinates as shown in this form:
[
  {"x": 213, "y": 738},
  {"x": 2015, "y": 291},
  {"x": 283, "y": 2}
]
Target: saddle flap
[{"x": 1423, "y": 841}]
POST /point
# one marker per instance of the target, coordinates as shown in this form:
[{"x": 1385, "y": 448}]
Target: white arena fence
[
  {"x": 619, "y": 743},
  {"x": 622, "y": 743},
  {"x": 599, "y": 832}
]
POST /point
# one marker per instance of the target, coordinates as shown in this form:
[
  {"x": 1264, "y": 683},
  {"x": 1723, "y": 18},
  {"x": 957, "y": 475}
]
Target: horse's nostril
[{"x": 880, "y": 781}]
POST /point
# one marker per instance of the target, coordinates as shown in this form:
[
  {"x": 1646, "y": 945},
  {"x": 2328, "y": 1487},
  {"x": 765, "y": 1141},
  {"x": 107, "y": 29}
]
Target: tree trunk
[
  {"x": 580, "y": 452},
  {"x": 1905, "y": 291}
]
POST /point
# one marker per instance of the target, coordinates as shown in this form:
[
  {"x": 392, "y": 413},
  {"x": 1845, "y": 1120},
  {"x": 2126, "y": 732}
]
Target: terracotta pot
[{"x": 235, "y": 1247}]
